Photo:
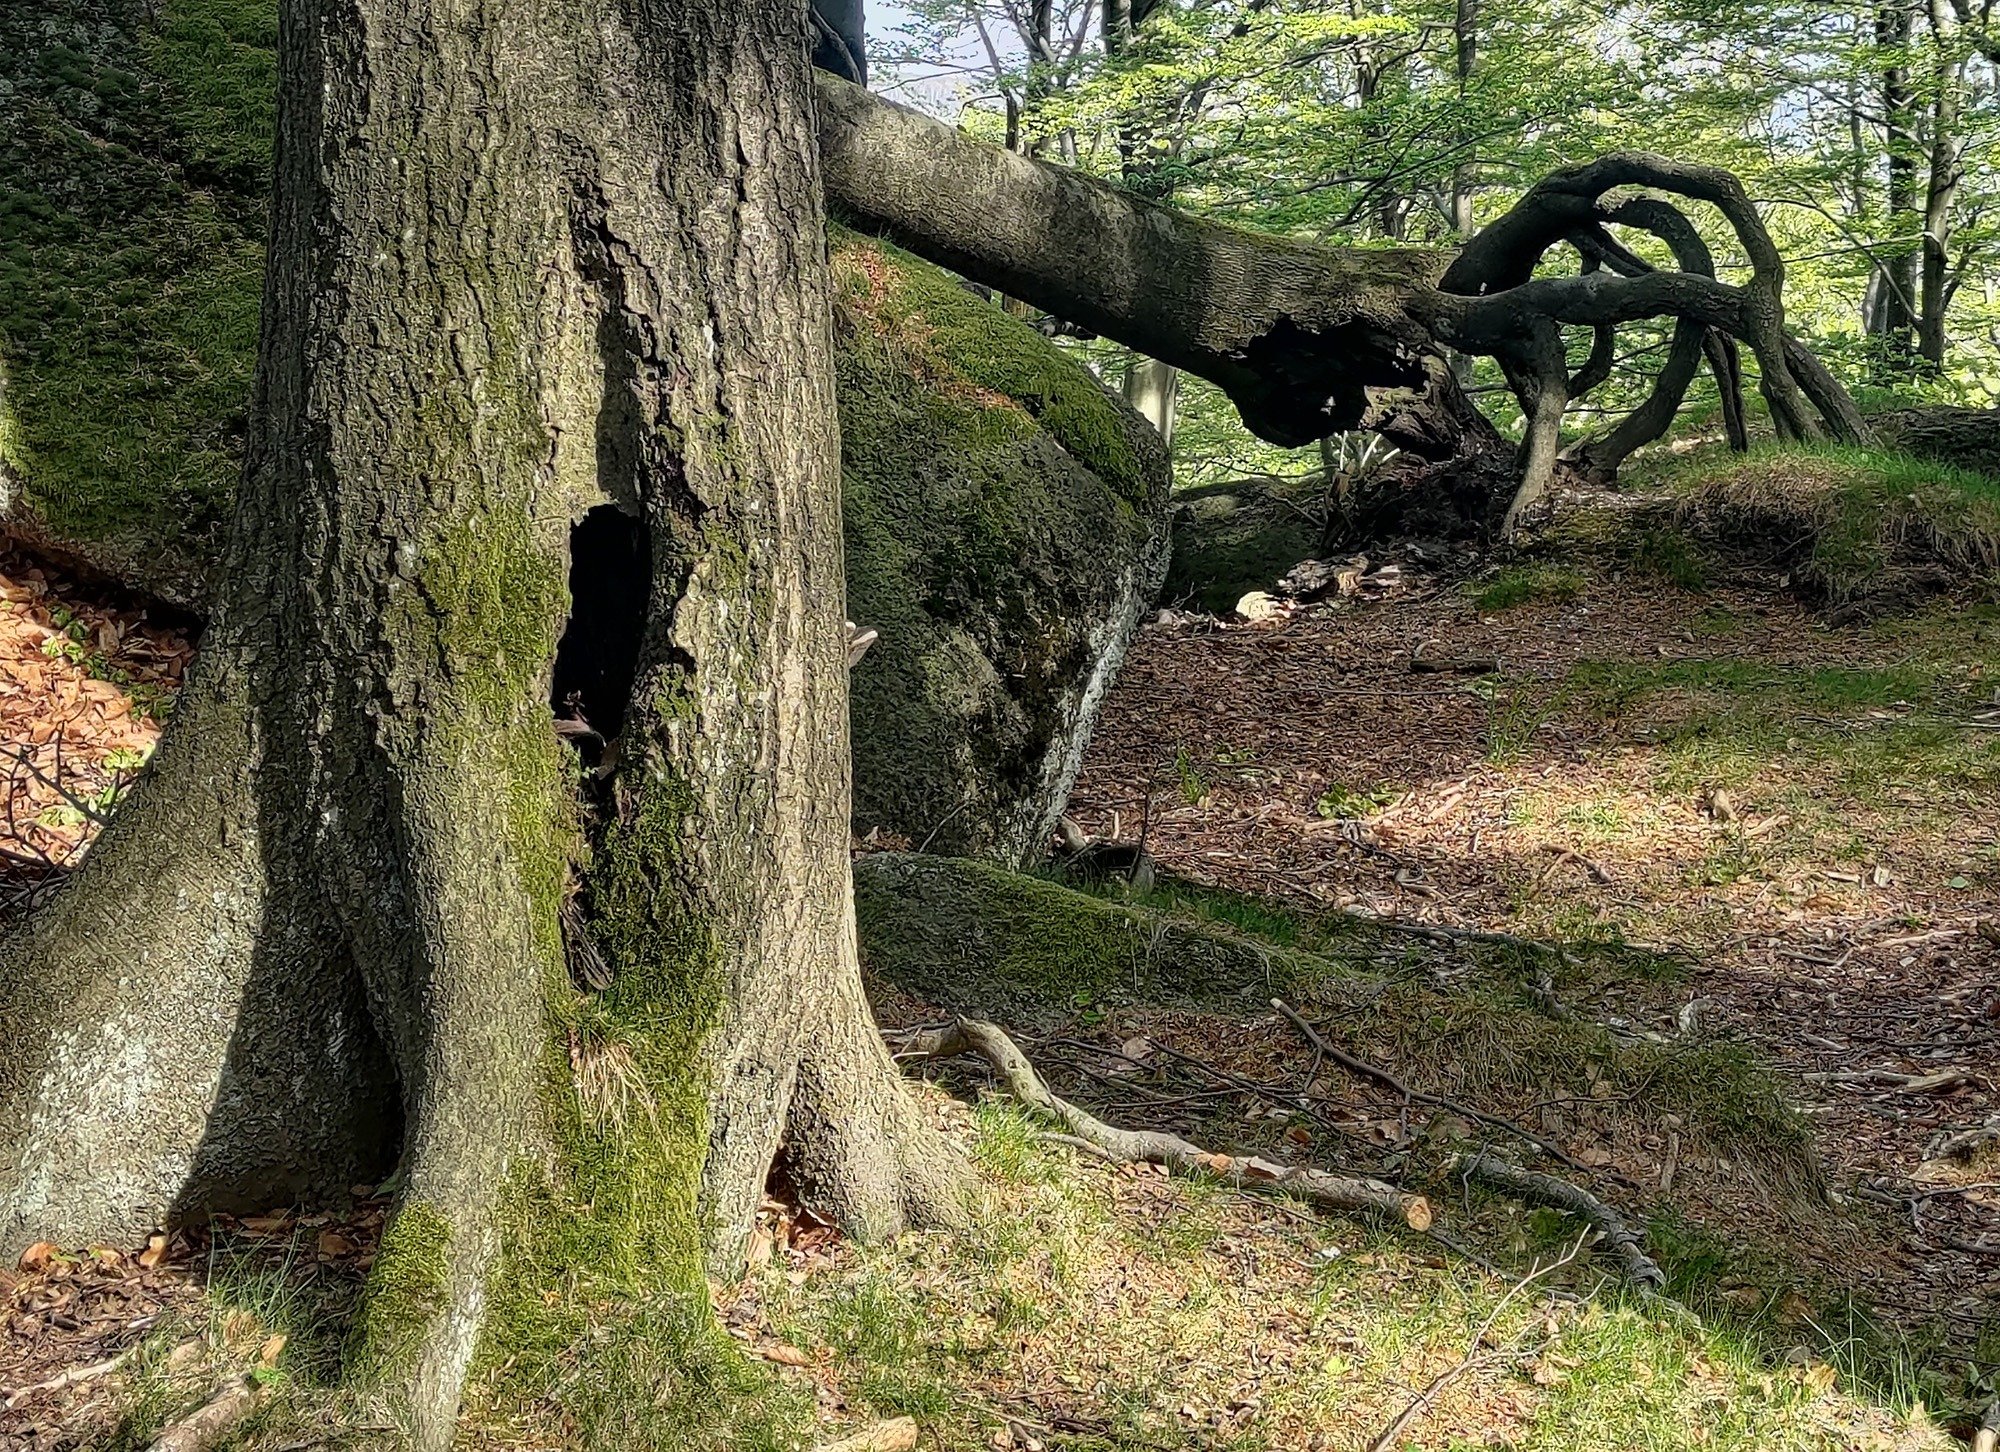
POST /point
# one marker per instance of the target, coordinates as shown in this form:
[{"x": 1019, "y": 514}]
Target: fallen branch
[
  {"x": 1625, "y": 1245},
  {"x": 1390, "y": 1081},
  {"x": 1936, "y": 1083},
  {"x": 1320, "y": 1187},
  {"x": 209, "y": 1423},
  {"x": 66, "y": 1379},
  {"x": 898, "y": 1434}
]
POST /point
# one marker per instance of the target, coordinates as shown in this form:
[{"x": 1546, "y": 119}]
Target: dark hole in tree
[{"x": 610, "y": 576}]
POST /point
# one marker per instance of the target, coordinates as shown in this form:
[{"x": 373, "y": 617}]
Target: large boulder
[
  {"x": 1242, "y": 535},
  {"x": 1006, "y": 514}
]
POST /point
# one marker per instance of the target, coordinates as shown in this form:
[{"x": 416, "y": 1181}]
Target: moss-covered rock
[
  {"x": 134, "y": 159},
  {"x": 1232, "y": 538},
  {"x": 1006, "y": 514},
  {"x": 1006, "y": 523}
]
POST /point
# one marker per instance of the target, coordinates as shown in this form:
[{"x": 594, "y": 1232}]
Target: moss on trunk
[{"x": 1005, "y": 513}]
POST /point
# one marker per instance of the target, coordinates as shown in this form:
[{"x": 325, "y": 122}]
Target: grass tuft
[
  {"x": 1848, "y": 521},
  {"x": 1528, "y": 585}
]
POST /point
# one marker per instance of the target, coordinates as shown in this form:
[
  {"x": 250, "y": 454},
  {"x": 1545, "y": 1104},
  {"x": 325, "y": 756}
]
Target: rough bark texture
[
  {"x": 1310, "y": 340},
  {"x": 1967, "y": 437},
  {"x": 527, "y": 260},
  {"x": 1005, "y": 515},
  {"x": 1297, "y": 335}
]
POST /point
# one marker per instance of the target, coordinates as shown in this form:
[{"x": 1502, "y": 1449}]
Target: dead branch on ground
[
  {"x": 1626, "y": 1245},
  {"x": 1351, "y": 1193}
]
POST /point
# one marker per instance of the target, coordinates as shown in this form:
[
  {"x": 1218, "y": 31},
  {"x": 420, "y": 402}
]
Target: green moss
[
  {"x": 1528, "y": 585},
  {"x": 408, "y": 1287},
  {"x": 133, "y": 167},
  {"x": 1851, "y": 521},
  {"x": 978, "y": 938},
  {"x": 968, "y": 340},
  {"x": 1230, "y": 539},
  {"x": 978, "y": 543}
]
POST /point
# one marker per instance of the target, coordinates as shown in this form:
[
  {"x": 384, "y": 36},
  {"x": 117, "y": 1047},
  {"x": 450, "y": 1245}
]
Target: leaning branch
[{"x": 1305, "y": 340}]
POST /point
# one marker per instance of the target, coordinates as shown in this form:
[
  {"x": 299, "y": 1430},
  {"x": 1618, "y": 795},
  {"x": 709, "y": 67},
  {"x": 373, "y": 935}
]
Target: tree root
[
  {"x": 1619, "y": 1240},
  {"x": 1335, "y": 1192}
]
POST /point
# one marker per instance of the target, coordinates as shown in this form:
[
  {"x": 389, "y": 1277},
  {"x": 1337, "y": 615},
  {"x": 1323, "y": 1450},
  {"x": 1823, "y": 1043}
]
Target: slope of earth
[{"x": 1619, "y": 741}]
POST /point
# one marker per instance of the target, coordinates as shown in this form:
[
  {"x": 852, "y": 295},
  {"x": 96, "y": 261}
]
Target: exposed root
[
  {"x": 1352, "y": 1193},
  {"x": 859, "y": 1145},
  {"x": 1624, "y": 1244}
]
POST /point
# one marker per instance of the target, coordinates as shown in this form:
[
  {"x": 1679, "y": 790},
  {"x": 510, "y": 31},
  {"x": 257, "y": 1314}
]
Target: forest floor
[{"x": 1743, "y": 827}]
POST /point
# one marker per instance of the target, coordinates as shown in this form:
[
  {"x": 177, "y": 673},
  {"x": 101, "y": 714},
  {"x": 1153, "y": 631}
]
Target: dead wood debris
[
  {"x": 1396, "y": 1085},
  {"x": 1624, "y": 1244},
  {"x": 209, "y": 1423},
  {"x": 1320, "y": 1187}
]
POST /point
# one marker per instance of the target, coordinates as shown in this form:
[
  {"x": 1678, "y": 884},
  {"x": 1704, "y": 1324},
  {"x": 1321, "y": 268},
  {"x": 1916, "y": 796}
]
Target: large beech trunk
[
  {"x": 1310, "y": 340},
  {"x": 527, "y": 260}
]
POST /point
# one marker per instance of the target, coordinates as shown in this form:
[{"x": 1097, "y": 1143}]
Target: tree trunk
[
  {"x": 1307, "y": 340},
  {"x": 527, "y": 262},
  {"x": 1897, "y": 315},
  {"x": 1152, "y": 388}
]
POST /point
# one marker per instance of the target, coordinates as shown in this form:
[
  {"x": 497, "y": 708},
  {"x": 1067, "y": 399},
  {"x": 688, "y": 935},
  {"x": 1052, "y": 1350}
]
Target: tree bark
[
  {"x": 1306, "y": 340},
  {"x": 526, "y": 262}
]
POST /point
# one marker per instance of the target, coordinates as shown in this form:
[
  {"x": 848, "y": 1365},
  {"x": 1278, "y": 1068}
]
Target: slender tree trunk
[
  {"x": 527, "y": 261},
  {"x": 1897, "y": 316},
  {"x": 1465, "y": 174},
  {"x": 1152, "y": 387},
  {"x": 1945, "y": 156}
]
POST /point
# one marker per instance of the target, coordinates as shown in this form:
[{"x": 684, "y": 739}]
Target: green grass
[
  {"x": 1097, "y": 1311},
  {"x": 1517, "y": 585},
  {"x": 1668, "y": 554},
  {"x": 1848, "y": 521}
]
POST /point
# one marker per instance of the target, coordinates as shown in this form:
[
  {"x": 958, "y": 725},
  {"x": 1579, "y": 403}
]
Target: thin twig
[
  {"x": 1384, "y": 1077},
  {"x": 1393, "y": 1433}
]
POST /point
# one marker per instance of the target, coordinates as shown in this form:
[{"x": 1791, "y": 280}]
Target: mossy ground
[
  {"x": 1091, "y": 1309},
  {"x": 133, "y": 164},
  {"x": 1232, "y": 538},
  {"x": 1848, "y": 521}
]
